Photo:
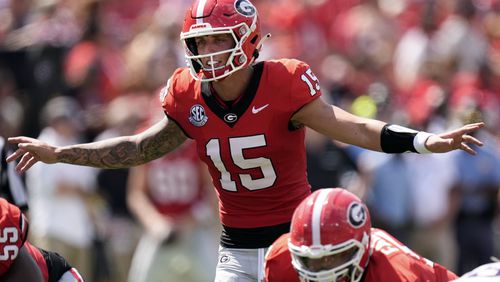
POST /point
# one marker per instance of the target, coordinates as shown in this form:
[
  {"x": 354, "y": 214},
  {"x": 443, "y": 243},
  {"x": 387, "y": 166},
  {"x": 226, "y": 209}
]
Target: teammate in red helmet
[{"x": 331, "y": 239}]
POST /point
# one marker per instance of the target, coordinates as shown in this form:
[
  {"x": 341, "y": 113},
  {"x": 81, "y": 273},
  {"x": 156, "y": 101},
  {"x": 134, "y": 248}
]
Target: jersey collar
[{"x": 230, "y": 114}]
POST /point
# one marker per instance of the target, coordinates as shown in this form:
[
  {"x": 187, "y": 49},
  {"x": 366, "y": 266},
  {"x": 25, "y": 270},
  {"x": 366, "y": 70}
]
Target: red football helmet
[
  {"x": 330, "y": 236},
  {"x": 238, "y": 18}
]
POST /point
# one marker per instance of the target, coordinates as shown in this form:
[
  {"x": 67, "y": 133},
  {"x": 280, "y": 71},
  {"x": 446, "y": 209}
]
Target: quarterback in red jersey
[
  {"x": 248, "y": 120},
  {"x": 248, "y": 139},
  {"x": 331, "y": 239}
]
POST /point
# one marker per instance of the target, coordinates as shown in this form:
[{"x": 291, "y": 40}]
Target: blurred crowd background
[{"x": 82, "y": 70}]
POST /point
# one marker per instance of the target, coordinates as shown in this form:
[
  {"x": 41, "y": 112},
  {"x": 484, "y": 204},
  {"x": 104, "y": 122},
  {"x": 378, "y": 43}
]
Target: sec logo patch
[{"x": 197, "y": 116}]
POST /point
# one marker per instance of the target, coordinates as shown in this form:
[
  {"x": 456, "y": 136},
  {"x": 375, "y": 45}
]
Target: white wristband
[{"x": 419, "y": 142}]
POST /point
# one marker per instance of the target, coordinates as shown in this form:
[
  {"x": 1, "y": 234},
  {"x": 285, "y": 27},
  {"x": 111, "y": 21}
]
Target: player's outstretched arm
[
  {"x": 117, "y": 152},
  {"x": 378, "y": 136}
]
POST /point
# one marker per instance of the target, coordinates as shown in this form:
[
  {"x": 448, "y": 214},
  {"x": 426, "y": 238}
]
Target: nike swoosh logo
[{"x": 256, "y": 110}]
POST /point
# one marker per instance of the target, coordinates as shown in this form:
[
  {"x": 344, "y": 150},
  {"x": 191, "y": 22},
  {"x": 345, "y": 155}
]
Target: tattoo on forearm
[
  {"x": 161, "y": 143},
  {"x": 106, "y": 154},
  {"x": 125, "y": 152}
]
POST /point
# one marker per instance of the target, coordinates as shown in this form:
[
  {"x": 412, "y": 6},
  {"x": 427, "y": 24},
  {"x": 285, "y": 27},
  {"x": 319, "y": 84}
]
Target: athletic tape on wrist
[{"x": 419, "y": 142}]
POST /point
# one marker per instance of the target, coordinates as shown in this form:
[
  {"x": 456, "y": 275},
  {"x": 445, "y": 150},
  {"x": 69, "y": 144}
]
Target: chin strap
[
  {"x": 259, "y": 45},
  {"x": 267, "y": 36}
]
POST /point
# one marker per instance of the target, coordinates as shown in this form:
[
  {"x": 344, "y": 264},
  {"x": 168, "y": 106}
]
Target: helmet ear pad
[
  {"x": 193, "y": 49},
  {"x": 237, "y": 18},
  {"x": 331, "y": 222},
  {"x": 191, "y": 45}
]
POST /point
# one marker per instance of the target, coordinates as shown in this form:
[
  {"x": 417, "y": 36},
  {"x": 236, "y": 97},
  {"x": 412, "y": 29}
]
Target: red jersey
[
  {"x": 278, "y": 263},
  {"x": 390, "y": 260},
  {"x": 53, "y": 266},
  {"x": 255, "y": 156},
  {"x": 175, "y": 181},
  {"x": 39, "y": 259},
  {"x": 13, "y": 232}
]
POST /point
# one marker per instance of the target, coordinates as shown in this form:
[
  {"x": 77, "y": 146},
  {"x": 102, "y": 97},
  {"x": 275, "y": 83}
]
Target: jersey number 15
[{"x": 236, "y": 147}]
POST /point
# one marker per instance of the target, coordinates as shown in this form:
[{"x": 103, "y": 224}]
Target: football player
[
  {"x": 21, "y": 261},
  {"x": 53, "y": 266},
  {"x": 248, "y": 120},
  {"x": 331, "y": 239},
  {"x": 16, "y": 263},
  {"x": 18, "y": 255}
]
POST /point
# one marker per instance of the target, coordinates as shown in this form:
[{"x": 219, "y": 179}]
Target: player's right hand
[{"x": 31, "y": 151}]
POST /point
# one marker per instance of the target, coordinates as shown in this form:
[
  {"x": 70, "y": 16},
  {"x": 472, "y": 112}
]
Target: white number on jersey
[
  {"x": 236, "y": 146},
  {"x": 384, "y": 243},
  {"x": 9, "y": 251},
  {"x": 312, "y": 81}
]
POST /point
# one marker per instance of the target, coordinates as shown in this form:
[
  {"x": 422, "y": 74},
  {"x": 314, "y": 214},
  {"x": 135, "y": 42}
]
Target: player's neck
[{"x": 232, "y": 87}]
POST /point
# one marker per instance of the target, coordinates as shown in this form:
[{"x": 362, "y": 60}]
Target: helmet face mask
[
  {"x": 330, "y": 237},
  {"x": 329, "y": 264},
  {"x": 195, "y": 59},
  {"x": 238, "y": 19}
]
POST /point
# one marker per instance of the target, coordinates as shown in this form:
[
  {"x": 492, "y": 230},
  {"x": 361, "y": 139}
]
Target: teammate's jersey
[
  {"x": 390, "y": 260},
  {"x": 13, "y": 232},
  {"x": 278, "y": 262},
  {"x": 175, "y": 181},
  {"x": 255, "y": 156},
  {"x": 53, "y": 266},
  {"x": 37, "y": 255}
]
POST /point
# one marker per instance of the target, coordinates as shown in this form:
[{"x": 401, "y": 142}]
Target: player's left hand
[{"x": 455, "y": 139}]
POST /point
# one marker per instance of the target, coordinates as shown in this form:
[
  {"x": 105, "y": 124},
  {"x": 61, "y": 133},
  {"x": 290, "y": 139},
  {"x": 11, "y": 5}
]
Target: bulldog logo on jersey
[
  {"x": 197, "y": 115},
  {"x": 245, "y": 8},
  {"x": 356, "y": 215}
]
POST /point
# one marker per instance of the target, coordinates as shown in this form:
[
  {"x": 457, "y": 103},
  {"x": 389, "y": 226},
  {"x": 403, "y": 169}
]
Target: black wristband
[{"x": 397, "y": 139}]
